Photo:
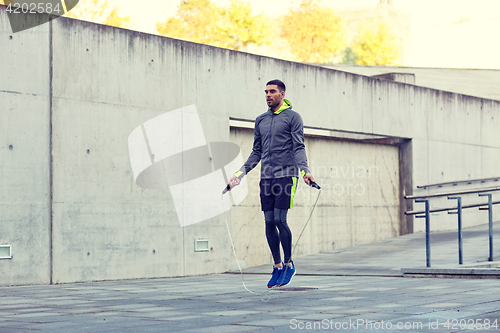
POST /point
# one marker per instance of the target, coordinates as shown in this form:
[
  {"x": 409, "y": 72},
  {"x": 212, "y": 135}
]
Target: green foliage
[
  {"x": 201, "y": 21},
  {"x": 376, "y": 45},
  {"x": 348, "y": 57},
  {"x": 313, "y": 32},
  {"x": 241, "y": 28}
]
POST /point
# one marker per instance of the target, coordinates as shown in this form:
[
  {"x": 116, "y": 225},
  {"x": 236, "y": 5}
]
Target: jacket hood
[{"x": 286, "y": 105}]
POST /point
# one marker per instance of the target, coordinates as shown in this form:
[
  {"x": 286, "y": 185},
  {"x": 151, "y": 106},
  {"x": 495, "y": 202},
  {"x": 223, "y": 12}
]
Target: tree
[
  {"x": 348, "y": 57},
  {"x": 99, "y": 11},
  {"x": 196, "y": 21},
  {"x": 313, "y": 31},
  {"x": 201, "y": 21},
  {"x": 376, "y": 45},
  {"x": 241, "y": 28}
]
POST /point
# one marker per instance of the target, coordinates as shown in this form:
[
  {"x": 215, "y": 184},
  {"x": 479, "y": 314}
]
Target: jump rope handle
[
  {"x": 228, "y": 187},
  {"x": 315, "y": 185}
]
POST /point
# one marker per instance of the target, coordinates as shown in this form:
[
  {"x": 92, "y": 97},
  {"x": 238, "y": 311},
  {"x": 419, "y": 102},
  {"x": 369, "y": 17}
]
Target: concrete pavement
[{"x": 358, "y": 289}]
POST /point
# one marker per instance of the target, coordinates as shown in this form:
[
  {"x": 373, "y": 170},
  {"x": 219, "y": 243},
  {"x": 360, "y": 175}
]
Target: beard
[{"x": 273, "y": 104}]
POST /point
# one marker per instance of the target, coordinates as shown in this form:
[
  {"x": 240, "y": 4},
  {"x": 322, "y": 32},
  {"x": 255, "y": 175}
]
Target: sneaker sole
[
  {"x": 274, "y": 285},
  {"x": 288, "y": 281}
]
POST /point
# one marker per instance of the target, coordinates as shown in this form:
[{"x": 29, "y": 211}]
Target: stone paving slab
[
  {"x": 422, "y": 300},
  {"x": 363, "y": 298}
]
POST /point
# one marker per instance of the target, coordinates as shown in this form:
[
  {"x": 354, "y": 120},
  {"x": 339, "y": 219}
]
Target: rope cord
[{"x": 265, "y": 296}]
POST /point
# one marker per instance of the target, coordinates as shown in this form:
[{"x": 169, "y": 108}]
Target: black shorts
[{"x": 277, "y": 193}]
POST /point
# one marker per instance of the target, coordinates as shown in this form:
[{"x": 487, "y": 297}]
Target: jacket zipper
[{"x": 270, "y": 141}]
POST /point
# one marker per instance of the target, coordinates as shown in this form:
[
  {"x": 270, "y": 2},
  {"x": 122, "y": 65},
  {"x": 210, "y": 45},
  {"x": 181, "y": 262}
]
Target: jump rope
[{"x": 265, "y": 296}]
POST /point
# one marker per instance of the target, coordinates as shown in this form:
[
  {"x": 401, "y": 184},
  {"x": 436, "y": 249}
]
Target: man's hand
[
  {"x": 308, "y": 178},
  {"x": 234, "y": 181}
]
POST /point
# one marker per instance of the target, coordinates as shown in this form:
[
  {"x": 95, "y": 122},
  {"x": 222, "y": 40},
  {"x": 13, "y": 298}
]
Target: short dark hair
[{"x": 279, "y": 83}]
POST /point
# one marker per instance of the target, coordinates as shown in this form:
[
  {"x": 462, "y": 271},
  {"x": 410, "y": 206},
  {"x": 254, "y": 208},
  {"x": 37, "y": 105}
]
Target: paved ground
[{"x": 359, "y": 289}]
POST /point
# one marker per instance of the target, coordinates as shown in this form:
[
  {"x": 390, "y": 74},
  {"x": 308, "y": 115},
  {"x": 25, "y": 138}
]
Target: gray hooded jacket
[{"x": 279, "y": 144}]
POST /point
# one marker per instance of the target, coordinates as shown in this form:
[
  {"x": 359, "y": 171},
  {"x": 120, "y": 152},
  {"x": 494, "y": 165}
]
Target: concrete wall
[
  {"x": 484, "y": 83},
  {"x": 25, "y": 154},
  {"x": 74, "y": 91}
]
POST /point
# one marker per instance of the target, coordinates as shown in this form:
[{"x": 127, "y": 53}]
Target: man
[{"x": 279, "y": 144}]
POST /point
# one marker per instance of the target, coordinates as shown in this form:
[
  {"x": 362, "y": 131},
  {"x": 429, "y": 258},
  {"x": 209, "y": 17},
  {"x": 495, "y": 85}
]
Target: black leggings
[{"x": 276, "y": 220}]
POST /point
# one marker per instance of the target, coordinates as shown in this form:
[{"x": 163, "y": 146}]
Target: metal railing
[
  {"x": 467, "y": 181},
  {"x": 454, "y": 210}
]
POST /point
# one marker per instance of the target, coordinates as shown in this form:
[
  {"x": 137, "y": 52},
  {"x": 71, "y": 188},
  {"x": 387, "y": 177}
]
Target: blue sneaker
[
  {"x": 286, "y": 276},
  {"x": 274, "y": 277}
]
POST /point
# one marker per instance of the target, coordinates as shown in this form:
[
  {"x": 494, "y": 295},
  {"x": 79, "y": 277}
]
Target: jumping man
[{"x": 279, "y": 144}]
